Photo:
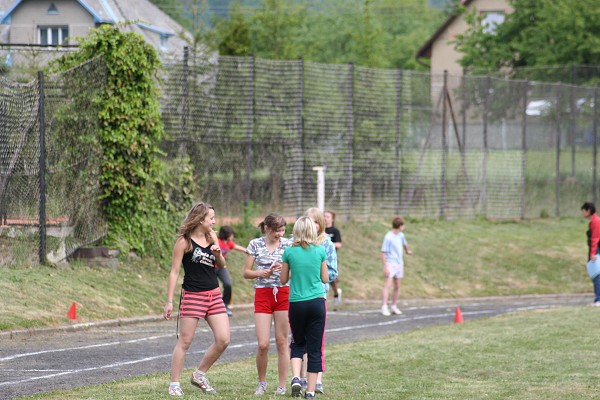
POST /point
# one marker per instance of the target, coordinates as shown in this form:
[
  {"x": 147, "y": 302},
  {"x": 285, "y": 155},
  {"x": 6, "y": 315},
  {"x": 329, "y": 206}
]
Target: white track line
[{"x": 242, "y": 345}]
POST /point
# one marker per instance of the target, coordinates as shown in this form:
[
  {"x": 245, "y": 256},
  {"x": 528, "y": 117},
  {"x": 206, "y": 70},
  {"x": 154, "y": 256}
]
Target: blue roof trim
[
  {"x": 155, "y": 29},
  {"x": 6, "y": 19}
]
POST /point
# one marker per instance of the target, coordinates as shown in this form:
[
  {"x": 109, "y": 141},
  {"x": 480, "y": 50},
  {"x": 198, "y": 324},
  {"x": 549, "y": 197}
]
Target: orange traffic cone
[
  {"x": 458, "y": 318},
  {"x": 73, "y": 311}
]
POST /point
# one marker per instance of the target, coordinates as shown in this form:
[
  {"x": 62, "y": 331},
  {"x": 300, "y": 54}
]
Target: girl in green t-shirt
[{"x": 305, "y": 266}]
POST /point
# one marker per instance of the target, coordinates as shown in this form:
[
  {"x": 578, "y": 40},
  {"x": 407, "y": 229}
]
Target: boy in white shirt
[{"x": 392, "y": 249}]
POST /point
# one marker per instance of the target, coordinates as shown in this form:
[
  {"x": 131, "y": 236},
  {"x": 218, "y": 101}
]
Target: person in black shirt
[{"x": 336, "y": 238}]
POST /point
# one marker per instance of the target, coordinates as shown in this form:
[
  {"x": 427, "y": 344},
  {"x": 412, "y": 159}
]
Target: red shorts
[
  {"x": 269, "y": 300},
  {"x": 201, "y": 304}
]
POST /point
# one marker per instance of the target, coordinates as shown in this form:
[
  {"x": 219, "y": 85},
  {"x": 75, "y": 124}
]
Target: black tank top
[{"x": 199, "y": 266}]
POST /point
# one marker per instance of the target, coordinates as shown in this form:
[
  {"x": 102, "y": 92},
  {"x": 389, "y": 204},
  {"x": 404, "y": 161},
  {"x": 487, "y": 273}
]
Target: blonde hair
[
  {"x": 195, "y": 217},
  {"x": 317, "y": 216},
  {"x": 305, "y": 232}
]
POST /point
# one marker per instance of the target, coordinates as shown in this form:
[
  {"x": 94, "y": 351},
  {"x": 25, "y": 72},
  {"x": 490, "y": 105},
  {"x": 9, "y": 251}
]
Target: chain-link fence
[
  {"x": 49, "y": 199},
  {"x": 391, "y": 141}
]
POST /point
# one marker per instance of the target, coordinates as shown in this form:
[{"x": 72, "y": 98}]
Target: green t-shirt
[{"x": 305, "y": 271}]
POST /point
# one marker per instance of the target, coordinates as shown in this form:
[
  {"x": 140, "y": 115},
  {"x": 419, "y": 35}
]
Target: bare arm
[
  {"x": 239, "y": 248},
  {"x": 249, "y": 273},
  {"x": 324, "y": 272},
  {"x": 407, "y": 250},
  {"x": 284, "y": 275},
  {"x": 216, "y": 250},
  {"x": 338, "y": 245},
  {"x": 178, "y": 251},
  {"x": 386, "y": 270}
]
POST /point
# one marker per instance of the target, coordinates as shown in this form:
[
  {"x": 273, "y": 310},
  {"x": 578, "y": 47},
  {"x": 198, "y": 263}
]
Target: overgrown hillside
[{"x": 451, "y": 259}]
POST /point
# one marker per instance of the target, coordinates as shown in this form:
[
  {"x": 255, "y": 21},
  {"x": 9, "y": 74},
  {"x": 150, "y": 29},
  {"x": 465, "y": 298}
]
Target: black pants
[
  {"x": 307, "y": 322},
  {"x": 223, "y": 275}
]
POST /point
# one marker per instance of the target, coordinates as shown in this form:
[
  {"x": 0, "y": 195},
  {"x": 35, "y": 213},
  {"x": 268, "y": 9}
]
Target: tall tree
[{"x": 537, "y": 33}]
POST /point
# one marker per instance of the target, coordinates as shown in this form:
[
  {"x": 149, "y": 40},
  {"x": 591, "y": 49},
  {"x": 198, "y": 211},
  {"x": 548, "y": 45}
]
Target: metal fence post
[
  {"x": 299, "y": 183},
  {"x": 573, "y": 119},
  {"x": 558, "y": 133},
  {"x": 249, "y": 131},
  {"x": 486, "y": 98},
  {"x": 398, "y": 170},
  {"x": 595, "y": 149},
  {"x": 444, "y": 146},
  {"x": 42, "y": 168},
  {"x": 524, "y": 148},
  {"x": 185, "y": 104},
  {"x": 350, "y": 160}
]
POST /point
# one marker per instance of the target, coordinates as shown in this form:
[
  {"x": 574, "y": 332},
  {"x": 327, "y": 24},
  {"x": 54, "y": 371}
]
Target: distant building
[
  {"x": 59, "y": 22},
  {"x": 439, "y": 49}
]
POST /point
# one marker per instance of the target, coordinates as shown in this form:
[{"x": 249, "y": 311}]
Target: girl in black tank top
[{"x": 197, "y": 249}]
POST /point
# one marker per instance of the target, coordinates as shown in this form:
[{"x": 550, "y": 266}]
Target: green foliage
[
  {"x": 537, "y": 33},
  {"x": 373, "y": 33},
  {"x": 135, "y": 194}
]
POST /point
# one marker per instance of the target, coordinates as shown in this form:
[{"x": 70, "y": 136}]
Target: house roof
[
  {"x": 149, "y": 21},
  {"x": 425, "y": 50}
]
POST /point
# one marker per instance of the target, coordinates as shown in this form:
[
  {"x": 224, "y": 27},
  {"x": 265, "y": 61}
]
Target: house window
[
  {"x": 491, "y": 20},
  {"x": 52, "y": 10},
  {"x": 164, "y": 42},
  {"x": 53, "y": 35}
]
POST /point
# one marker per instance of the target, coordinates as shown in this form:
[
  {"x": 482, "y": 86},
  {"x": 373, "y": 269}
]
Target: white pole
[{"x": 320, "y": 187}]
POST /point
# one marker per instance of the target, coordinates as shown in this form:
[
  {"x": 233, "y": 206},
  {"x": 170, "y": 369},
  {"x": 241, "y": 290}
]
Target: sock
[
  {"x": 263, "y": 383},
  {"x": 174, "y": 384},
  {"x": 311, "y": 393}
]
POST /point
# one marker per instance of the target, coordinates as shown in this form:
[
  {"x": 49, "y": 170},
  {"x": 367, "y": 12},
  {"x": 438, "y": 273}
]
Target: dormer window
[
  {"x": 53, "y": 35},
  {"x": 52, "y": 10}
]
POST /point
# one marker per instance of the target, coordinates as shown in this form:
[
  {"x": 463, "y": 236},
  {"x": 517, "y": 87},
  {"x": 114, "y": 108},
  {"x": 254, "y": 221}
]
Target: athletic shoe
[
  {"x": 385, "y": 310},
  {"x": 201, "y": 381},
  {"x": 261, "y": 389},
  {"x": 280, "y": 391},
  {"x": 339, "y": 293},
  {"x": 229, "y": 313},
  {"x": 304, "y": 384},
  {"x": 319, "y": 388},
  {"x": 595, "y": 304},
  {"x": 309, "y": 396},
  {"x": 395, "y": 310},
  {"x": 175, "y": 390},
  {"x": 296, "y": 387}
]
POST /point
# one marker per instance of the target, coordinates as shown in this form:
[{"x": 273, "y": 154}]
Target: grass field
[
  {"x": 451, "y": 259},
  {"x": 547, "y": 354}
]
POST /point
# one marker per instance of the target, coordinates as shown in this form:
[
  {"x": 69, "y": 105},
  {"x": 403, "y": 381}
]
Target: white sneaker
[
  {"x": 261, "y": 389},
  {"x": 339, "y": 293},
  {"x": 385, "y": 310},
  {"x": 395, "y": 310}
]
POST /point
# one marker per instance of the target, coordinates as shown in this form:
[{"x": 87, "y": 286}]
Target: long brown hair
[{"x": 195, "y": 217}]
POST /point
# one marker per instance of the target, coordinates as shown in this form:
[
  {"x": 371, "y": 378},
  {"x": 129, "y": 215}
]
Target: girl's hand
[
  {"x": 216, "y": 250},
  {"x": 409, "y": 252},
  {"x": 276, "y": 267},
  {"x": 168, "y": 310},
  {"x": 265, "y": 273}
]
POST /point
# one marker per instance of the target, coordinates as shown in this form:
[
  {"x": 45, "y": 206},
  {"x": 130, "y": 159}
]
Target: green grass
[
  {"x": 547, "y": 354},
  {"x": 451, "y": 259}
]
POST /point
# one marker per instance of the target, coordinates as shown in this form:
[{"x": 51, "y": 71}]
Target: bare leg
[
  {"x": 312, "y": 381},
  {"x": 219, "y": 324},
  {"x": 396, "y": 293},
  {"x": 282, "y": 327},
  {"x": 262, "y": 322},
  {"x": 296, "y": 366},
  {"x": 386, "y": 290},
  {"x": 187, "y": 328}
]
